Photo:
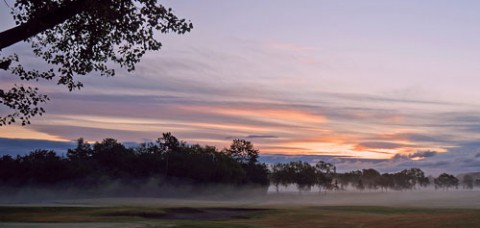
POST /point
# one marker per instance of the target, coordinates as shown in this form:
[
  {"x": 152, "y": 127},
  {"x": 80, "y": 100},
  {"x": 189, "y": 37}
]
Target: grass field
[
  {"x": 336, "y": 209},
  {"x": 278, "y": 216}
]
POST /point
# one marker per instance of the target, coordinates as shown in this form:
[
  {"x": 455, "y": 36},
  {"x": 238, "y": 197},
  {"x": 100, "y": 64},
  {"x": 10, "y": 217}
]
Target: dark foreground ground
[{"x": 396, "y": 209}]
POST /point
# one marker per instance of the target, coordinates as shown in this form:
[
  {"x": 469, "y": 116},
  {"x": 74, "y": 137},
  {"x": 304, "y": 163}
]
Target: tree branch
[{"x": 37, "y": 25}]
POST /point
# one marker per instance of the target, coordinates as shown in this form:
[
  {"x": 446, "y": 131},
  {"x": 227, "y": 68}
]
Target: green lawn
[{"x": 274, "y": 216}]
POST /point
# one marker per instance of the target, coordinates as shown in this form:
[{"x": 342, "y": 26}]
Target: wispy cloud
[
  {"x": 378, "y": 145},
  {"x": 352, "y": 105},
  {"x": 261, "y": 137}
]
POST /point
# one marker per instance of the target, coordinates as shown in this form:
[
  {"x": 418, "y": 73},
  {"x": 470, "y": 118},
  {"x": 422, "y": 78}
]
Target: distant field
[
  {"x": 341, "y": 209},
  {"x": 319, "y": 216}
]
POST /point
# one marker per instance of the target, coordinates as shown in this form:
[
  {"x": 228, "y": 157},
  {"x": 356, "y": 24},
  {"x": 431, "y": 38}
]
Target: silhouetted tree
[
  {"x": 386, "y": 181},
  {"x": 42, "y": 167},
  {"x": 114, "y": 157},
  {"x": 168, "y": 142},
  {"x": 402, "y": 181},
  {"x": 81, "y": 166},
  {"x": 242, "y": 151},
  {"x": 360, "y": 185},
  {"x": 78, "y": 37},
  {"x": 415, "y": 177},
  {"x": 467, "y": 181},
  {"x": 446, "y": 181},
  {"x": 8, "y": 171},
  {"x": 150, "y": 159},
  {"x": 276, "y": 175},
  {"x": 282, "y": 174},
  {"x": 89, "y": 167},
  {"x": 325, "y": 173},
  {"x": 256, "y": 173},
  {"x": 342, "y": 180},
  {"x": 370, "y": 178},
  {"x": 355, "y": 179},
  {"x": 83, "y": 151},
  {"x": 305, "y": 175},
  {"x": 302, "y": 174}
]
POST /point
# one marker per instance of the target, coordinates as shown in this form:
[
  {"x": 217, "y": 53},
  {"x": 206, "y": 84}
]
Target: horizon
[
  {"x": 343, "y": 164},
  {"x": 391, "y": 85}
]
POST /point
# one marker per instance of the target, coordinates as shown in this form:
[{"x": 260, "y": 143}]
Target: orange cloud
[
  {"x": 280, "y": 116},
  {"x": 18, "y": 132},
  {"x": 116, "y": 123},
  {"x": 331, "y": 137},
  {"x": 243, "y": 128},
  {"x": 334, "y": 149},
  {"x": 354, "y": 146}
]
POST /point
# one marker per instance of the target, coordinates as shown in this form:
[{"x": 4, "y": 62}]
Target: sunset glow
[{"x": 366, "y": 81}]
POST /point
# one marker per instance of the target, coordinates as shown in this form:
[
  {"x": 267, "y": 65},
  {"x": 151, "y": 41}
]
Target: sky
[{"x": 364, "y": 84}]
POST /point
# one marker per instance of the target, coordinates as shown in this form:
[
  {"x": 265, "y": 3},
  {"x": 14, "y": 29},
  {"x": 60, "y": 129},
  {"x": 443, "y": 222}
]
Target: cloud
[
  {"x": 93, "y": 133},
  {"x": 261, "y": 136},
  {"x": 466, "y": 148},
  {"x": 283, "y": 158},
  {"x": 201, "y": 95},
  {"x": 386, "y": 99},
  {"x": 422, "y": 154},
  {"x": 254, "y": 137},
  {"x": 413, "y": 137},
  {"x": 399, "y": 157},
  {"x": 379, "y": 145},
  {"x": 415, "y": 156}
]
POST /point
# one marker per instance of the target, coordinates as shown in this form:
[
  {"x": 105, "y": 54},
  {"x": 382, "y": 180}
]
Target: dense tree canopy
[
  {"x": 303, "y": 175},
  {"x": 79, "y": 37},
  {"x": 89, "y": 166},
  {"x": 446, "y": 181},
  {"x": 169, "y": 161},
  {"x": 324, "y": 176}
]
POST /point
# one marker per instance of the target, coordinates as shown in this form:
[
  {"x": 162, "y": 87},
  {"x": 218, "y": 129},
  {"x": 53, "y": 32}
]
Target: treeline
[
  {"x": 324, "y": 176},
  {"x": 169, "y": 161},
  {"x": 88, "y": 166}
]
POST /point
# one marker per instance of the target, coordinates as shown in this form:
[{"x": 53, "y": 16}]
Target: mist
[
  {"x": 159, "y": 188},
  {"x": 180, "y": 193},
  {"x": 108, "y": 173}
]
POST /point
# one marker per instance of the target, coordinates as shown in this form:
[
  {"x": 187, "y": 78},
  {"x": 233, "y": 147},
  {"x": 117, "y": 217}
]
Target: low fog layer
[
  {"x": 173, "y": 172},
  {"x": 225, "y": 196},
  {"x": 146, "y": 188},
  {"x": 441, "y": 199}
]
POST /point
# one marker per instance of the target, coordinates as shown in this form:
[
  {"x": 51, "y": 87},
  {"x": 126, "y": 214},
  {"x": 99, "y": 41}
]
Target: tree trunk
[{"x": 42, "y": 23}]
